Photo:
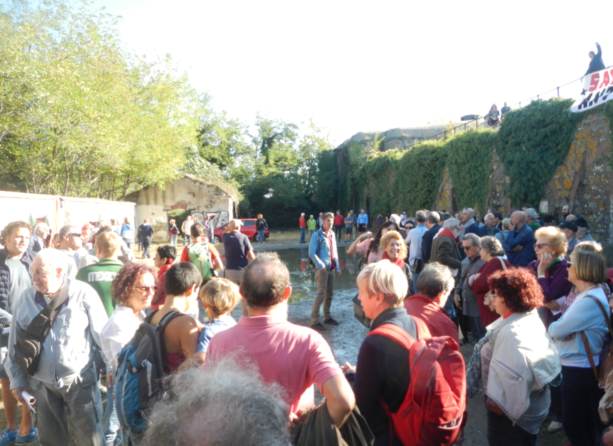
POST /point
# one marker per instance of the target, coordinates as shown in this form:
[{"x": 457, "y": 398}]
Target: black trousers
[{"x": 501, "y": 432}]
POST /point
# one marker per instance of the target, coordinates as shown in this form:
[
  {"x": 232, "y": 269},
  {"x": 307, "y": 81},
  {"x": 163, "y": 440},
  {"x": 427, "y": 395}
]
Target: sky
[{"x": 361, "y": 66}]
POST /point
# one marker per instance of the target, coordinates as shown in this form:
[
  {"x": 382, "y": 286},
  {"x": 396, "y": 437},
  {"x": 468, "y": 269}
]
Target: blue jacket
[
  {"x": 319, "y": 250},
  {"x": 484, "y": 231},
  {"x": 583, "y": 315},
  {"x": 521, "y": 237},
  {"x": 362, "y": 219}
]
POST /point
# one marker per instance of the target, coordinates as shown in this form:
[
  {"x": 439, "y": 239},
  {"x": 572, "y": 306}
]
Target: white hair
[
  {"x": 488, "y": 217},
  {"x": 387, "y": 278},
  {"x": 41, "y": 227},
  {"x": 451, "y": 223},
  {"x": 395, "y": 218},
  {"x": 225, "y": 404}
]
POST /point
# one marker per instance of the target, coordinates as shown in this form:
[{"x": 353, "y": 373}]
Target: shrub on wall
[
  {"x": 420, "y": 174},
  {"x": 532, "y": 143},
  {"x": 469, "y": 155}
]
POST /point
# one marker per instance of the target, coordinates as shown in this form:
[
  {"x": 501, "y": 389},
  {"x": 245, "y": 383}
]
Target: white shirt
[
  {"x": 414, "y": 240},
  {"x": 118, "y": 331}
]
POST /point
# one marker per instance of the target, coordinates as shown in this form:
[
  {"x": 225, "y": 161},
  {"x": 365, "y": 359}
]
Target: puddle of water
[{"x": 302, "y": 274}]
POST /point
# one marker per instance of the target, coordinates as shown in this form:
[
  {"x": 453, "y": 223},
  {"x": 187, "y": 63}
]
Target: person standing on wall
[
  {"x": 596, "y": 63},
  {"x": 303, "y": 225},
  {"x": 324, "y": 254},
  {"x": 362, "y": 221},
  {"x": 145, "y": 231}
]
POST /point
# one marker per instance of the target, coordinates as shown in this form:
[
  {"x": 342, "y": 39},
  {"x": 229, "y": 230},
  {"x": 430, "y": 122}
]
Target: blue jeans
[
  {"x": 415, "y": 277},
  {"x": 338, "y": 230},
  {"x": 262, "y": 235},
  {"x": 110, "y": 422},
  {"x": 302, "y": 231}
]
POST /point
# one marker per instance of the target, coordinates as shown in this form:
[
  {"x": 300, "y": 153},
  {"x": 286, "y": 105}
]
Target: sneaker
[
  {"x": 554, "y": 426},
  {"x": 330, "y": 321},
  {"x": 7, "y": 437},
  {"x": 31, "y": 437},
  {"x": 318, "y": 326}
]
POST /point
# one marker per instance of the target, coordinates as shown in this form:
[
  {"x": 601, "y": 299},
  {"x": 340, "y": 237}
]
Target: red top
[
  {"x": 480, "y": 287},
  {"x": 302, "y": 222},
  {"x": 160, "y": 296},
  {"x": 339, "y": 220},
  {"x": 508, "y": 314},
  {"x": 399, "y": 262},
  {"x": 420, "y": 306}
]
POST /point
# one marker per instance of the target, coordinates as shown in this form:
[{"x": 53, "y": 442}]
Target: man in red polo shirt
[
  {"x": 434, "y": 286},
  {"x": 292, "y": 356}
]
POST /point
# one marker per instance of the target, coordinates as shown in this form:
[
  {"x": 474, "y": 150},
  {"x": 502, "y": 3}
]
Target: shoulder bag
[
  {"x": 606, "y": 360},
  {"x": 29, "y": 345}
]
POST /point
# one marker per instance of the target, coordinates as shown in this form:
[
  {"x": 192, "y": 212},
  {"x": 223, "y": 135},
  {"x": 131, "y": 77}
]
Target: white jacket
[{"x": 524, "y": 360}]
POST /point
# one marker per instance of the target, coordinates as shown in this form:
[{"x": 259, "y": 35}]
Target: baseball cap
[
  {"x": 569, "y": 225},
  {"x": 581, "y": 222}
]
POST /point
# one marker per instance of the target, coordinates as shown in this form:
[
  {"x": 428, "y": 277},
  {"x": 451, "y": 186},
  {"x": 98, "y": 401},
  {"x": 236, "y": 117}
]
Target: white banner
[{"x": 597, "y": 89}]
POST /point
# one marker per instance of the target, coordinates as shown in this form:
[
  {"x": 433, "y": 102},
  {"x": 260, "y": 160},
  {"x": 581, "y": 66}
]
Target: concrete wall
[
  {"x": 59, "y": 211},
  {"x": 193, "y": 193}
]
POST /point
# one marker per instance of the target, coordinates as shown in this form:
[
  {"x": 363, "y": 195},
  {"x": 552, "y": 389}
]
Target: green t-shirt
[
  {"x": 311, "y": 224},
  {"x": 99, "y": 276},
  {"x": 534, "y": 225}
]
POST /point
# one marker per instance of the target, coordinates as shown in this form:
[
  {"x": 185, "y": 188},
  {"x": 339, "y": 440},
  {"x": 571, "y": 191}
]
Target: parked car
[{"x": 248, "y": 228}]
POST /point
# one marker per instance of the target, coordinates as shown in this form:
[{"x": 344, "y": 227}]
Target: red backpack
[{"x": 433, "y": 408}]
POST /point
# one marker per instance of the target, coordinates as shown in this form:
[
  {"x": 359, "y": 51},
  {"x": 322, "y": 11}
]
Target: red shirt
[
  {"x": 292, "y": 356},
  {"x": 159, "y": 297},
  {"x": 480, "y": 287},
  {"x": 339, "y": 220},
  {"x": 302, "y": 222},
  {"x": 430, "y": 313}
]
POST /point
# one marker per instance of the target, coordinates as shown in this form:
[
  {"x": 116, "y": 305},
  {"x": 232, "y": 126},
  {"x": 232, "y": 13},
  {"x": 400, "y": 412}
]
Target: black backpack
[{"x": 140, "y": 373}]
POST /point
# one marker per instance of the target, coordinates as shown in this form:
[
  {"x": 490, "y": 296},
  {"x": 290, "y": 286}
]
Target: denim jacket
[{"x": 319, "y": 250}]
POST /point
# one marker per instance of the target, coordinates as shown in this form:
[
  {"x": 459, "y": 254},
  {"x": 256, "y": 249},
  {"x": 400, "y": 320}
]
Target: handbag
[
  {"x": 29, "y": 345},
  {"x": 418, "y": 266},
  {"x": 487, "y": 301},
  {"x": 606, "y": 362}
]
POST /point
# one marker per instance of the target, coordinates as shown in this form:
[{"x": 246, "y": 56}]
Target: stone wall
[{"x": 188, "y": 192}]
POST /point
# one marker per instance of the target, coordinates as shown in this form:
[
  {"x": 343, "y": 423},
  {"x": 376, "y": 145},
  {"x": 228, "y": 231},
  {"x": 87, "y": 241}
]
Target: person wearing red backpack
[{"x": 396, "y": 367}]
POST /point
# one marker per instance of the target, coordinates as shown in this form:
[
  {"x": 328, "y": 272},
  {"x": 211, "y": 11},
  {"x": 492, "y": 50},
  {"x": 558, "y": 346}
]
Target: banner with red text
[{"x": 597, "y": 89}]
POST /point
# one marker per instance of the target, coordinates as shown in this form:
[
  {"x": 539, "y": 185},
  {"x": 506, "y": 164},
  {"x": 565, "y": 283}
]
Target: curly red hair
[
  {"x": 124, "y": 281},
  {"x": 518, "y": 287}
]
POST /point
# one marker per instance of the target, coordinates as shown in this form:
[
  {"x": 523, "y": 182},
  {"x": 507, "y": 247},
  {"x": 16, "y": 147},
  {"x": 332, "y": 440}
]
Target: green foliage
[
  {"x": 78, "y": 114},
  {"x": 421, "y": 172},
  {"x": 532, "y": 143},
  {"x": 469, "y": 156}
]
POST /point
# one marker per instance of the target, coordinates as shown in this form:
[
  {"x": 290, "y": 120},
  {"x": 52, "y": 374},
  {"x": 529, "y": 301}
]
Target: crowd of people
[{"x": 530, "y": 295}]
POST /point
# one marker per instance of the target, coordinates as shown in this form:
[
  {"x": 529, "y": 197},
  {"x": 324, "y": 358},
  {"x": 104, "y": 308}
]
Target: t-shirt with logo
[{"x": 100, "y": 276}]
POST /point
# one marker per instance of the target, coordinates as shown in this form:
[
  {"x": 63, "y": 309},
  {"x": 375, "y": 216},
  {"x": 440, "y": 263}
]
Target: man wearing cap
[
  {"x": 570, "y": 231},
  {"x": 583, "y": 235},
  {"x": 239, "y": 253},
  {"x": 303, "y": 225}
]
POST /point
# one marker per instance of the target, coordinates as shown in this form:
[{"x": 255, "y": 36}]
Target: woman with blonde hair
[
  {"x": 551, "y": 269},
  {"x": 395, "y": 250},
  {"x": 382, "y": 372},
  {"x": 579, "y": 336},
  {"x": 506, "y": 230}
]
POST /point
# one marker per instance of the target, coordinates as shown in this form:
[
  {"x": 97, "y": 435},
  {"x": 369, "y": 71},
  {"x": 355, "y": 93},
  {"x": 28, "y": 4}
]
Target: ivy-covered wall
[{"x": 541, "y": 155}]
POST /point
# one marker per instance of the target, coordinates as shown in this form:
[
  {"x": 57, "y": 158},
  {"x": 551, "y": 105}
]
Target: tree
[{"x": 79, "y": 115}]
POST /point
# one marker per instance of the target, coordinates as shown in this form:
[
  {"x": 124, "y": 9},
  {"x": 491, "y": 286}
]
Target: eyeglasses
[
  {"x": 74, "y": 234},
  {"x": 147, "y": 288},
  {"x": 540, "y": 245}
]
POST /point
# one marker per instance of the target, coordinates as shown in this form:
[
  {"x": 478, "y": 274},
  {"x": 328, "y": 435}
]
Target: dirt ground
[{"x": 346, "y": 339}]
